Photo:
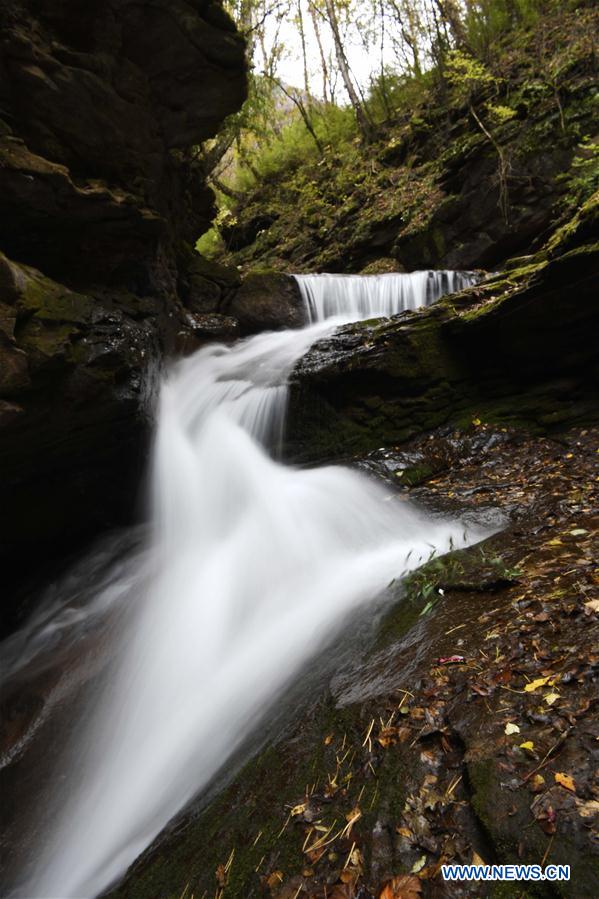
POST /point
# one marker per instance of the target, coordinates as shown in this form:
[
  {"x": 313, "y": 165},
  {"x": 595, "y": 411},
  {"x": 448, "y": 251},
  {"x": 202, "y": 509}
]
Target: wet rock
[
  {"x": 101, "y": 204},
  {"x": 102, "y": 103},
  {"x": 202, "y": 329},
  {"x": 267, "y": 302},
  {"x": 514, "y": 349}
]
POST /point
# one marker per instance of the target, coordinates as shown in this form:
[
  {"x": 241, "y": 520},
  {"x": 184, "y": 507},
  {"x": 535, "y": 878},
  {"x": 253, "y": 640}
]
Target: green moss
[
  {"x": 45, "y": 343},
  {"x": 52, "y": 302}
]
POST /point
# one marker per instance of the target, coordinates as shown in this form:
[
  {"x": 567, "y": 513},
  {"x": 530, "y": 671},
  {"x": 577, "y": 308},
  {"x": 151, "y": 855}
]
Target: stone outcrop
[
  {"x": 267, "y": 302},
  {"x": 101, "y": 202},
  {"x": 514, "y": 349}
]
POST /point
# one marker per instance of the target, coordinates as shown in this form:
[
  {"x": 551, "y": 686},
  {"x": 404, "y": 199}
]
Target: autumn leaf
[
  {"x": 405, "y": 887},
  {"x": 221, "y": 876},
  {"x": 275, "y": 879},
  {"x": 511, "y": 728},
  {"x": 535, "y": 684},
  {"x": 419, "y": 864},
  {"x": 564, "y": 780},
  {"x": 537, "y": 783},
  {"x": 529, "y": 745},
  {"x": 342, "y": 891},
  {"x": 588, "y": 809}
]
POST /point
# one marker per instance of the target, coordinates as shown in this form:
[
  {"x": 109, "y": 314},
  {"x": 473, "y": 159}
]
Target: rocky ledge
[
  {"x": 101, "y": 202},
  {"x": 517, "y": 348}
]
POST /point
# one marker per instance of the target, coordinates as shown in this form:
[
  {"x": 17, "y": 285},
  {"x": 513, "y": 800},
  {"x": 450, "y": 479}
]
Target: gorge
[{"x": 300, "y": 589}]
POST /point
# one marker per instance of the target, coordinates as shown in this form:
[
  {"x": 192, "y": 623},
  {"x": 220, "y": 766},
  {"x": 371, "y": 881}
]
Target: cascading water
[
  {"x": 356, "y": 297},
  {"x": 251, "y": 568}
]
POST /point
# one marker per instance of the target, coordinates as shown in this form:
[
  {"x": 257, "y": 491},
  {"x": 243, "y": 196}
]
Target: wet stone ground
[{"x": 468, "y": 731}]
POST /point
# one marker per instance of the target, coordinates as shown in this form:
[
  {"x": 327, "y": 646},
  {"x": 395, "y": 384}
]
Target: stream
[{"x": 193, "y": 626}]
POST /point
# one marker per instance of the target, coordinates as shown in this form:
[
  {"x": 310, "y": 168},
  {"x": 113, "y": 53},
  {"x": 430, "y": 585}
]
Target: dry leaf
[
  {"x": 564, "y": 780},
  {"x": 275, "y": 879},
  {"x": 551, "y": 698},
  {"x": 592, "y": 605},
  {"x": 529, "y": 745},
  {"x": 419, "y": 864},
  {"x": 535, "y": 684},
  {"x": 589, "y": 809},
  {"x": 537, "y": 782},
  {"x": 405, "y": 887},
  {"x": 511, "y": 728}
]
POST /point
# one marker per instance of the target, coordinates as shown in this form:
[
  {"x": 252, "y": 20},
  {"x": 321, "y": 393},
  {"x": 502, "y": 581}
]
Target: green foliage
[
  {"x": 396, "y": 94},
  {"x": 426, "y": 584},
  {"x": 466, "y": 75},
  {"x": 210, "y": 244},
  {"x": 487, "y": 20},
  {"x": 292, "y": 145},
  {"x": 500, "y": 114},
  {"x": 583, "y": 178}
]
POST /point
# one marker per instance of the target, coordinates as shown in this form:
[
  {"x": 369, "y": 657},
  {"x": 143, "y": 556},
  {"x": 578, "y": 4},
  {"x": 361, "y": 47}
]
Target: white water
[
  {"x": 356, "y": 297},
  {"x": 254, "y": 567}
]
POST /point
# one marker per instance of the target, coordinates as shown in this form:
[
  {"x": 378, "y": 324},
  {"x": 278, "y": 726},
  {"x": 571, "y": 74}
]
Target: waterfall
[
  {"x": 252, "y": 567},
  {"x": 355, "y": 297}
]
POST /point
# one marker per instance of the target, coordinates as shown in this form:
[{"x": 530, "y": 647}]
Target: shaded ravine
[{"x": 251, "y": 567}]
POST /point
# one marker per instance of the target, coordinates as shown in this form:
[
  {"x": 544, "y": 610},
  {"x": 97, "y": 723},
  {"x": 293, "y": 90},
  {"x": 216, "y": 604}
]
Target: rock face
[
  {"x": 517, "y": 348},
  {"x": 267, "y": 302},
  {"x": 101, "y": 202},
  {"x": 100, "y": 105}
]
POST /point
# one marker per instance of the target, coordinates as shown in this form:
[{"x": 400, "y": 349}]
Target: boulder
[{"x": 267, "y": 302}]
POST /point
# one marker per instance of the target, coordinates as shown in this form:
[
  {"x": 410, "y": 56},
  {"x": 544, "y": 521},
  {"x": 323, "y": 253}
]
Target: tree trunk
[
  {"x": 327, "y": 90},
  {"x": 364, "y": 123}
]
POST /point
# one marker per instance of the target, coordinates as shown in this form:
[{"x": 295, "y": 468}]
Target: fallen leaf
[
  {"x": 578, "y": 532},
  {"x": 476, "y": 859},
  {"x": 529, "y": 745},
  {"x": 419, "y": 864},
  {"x": 551, "y": 698},
  {"x": 592, "y": 605},
  {"x": 275, "y": 879},
  {"x": 564, "y": 780},
  {"x": 537, "y": 782},
  {"x": 589, "y": 809},
  {"x": 404, "y": 887},
  {"x": 547, "y": 821},
  {"x": 221, "y": 876},
  {"x": 535, "y": 684},
  {"x": 511, "y": 728},
  {"x": 341, "y": 891}
]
